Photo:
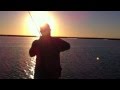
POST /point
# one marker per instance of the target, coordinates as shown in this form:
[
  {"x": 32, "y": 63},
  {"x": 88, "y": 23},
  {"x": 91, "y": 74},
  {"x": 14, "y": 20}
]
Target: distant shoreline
[
  {"x": 18, "y": 36},
  {"x": 63, "y": 37}
]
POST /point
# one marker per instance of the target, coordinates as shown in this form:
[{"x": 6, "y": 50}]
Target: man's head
[{"x": 45, "y": 30}]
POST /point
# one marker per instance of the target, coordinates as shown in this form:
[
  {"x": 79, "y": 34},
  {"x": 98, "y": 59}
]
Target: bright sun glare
[{"x": 39, "y": 18}]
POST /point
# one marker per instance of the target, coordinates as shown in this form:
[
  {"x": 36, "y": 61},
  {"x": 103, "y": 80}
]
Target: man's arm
[
  {"x": 32, "y": 51},
  {"x": 62, "y": 45}
]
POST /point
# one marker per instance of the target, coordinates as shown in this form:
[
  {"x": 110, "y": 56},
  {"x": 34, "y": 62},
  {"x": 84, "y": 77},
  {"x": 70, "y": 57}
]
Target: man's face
[{"x": 45, "y": 32}]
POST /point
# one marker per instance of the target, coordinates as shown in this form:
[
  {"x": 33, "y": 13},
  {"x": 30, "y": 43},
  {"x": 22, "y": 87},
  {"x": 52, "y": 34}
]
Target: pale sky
[{"x": 63, "y": 23}]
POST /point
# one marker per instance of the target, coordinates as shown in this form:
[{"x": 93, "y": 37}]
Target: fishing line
[{"x": 34, "y": 22}]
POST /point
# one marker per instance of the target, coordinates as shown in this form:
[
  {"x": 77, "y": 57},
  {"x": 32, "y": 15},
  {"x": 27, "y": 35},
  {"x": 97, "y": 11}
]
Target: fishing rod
[
  {"x": 33, "y": 58},
  {"x": 34, "y": 22}
]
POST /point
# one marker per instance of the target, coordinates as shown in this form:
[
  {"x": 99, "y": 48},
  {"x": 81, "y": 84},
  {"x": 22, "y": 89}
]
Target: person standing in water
[{"x": 47, "y": 51}]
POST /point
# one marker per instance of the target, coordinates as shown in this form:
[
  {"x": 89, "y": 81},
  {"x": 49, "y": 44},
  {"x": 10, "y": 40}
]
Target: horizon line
[{"x": 61, "y": 37}]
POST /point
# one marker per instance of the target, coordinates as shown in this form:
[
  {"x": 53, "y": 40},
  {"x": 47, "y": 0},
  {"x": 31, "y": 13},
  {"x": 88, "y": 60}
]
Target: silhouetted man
[{"x": 47, "y": 49}]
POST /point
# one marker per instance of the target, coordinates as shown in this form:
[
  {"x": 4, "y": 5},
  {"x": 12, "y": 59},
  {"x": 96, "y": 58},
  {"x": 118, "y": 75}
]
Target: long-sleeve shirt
[{"x": 48, "y": 51}]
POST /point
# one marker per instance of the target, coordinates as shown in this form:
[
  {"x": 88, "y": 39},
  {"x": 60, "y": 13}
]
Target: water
[{"x": 87, "y": 59}]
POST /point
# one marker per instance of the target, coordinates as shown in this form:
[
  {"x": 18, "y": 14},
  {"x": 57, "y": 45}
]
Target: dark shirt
[{"x": 48, "y": 51}]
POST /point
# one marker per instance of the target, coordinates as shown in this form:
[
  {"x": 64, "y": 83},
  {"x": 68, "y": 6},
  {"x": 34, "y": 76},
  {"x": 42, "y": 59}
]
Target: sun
[{"x": 39, "y": 18}]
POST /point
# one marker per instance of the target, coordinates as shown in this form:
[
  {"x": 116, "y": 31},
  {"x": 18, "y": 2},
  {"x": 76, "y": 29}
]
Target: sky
[{"x": 104, "y": 24}]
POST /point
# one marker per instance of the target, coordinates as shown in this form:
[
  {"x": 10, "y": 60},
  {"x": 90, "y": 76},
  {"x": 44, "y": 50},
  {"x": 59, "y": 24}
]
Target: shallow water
[{"x": 87, "y": 59}]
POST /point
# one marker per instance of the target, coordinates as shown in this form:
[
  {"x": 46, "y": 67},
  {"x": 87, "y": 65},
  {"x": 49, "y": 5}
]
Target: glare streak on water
[
  {"x": 32, "y": 67},
  {"x": 87, "y": 59}
]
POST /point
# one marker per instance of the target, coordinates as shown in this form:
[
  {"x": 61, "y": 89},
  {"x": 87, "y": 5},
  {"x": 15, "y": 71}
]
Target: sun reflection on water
[{"x": 31, "y": 69}]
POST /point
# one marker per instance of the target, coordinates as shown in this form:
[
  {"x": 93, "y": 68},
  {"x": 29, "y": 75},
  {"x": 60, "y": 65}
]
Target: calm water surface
[{"x": 87, "y": 59}]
